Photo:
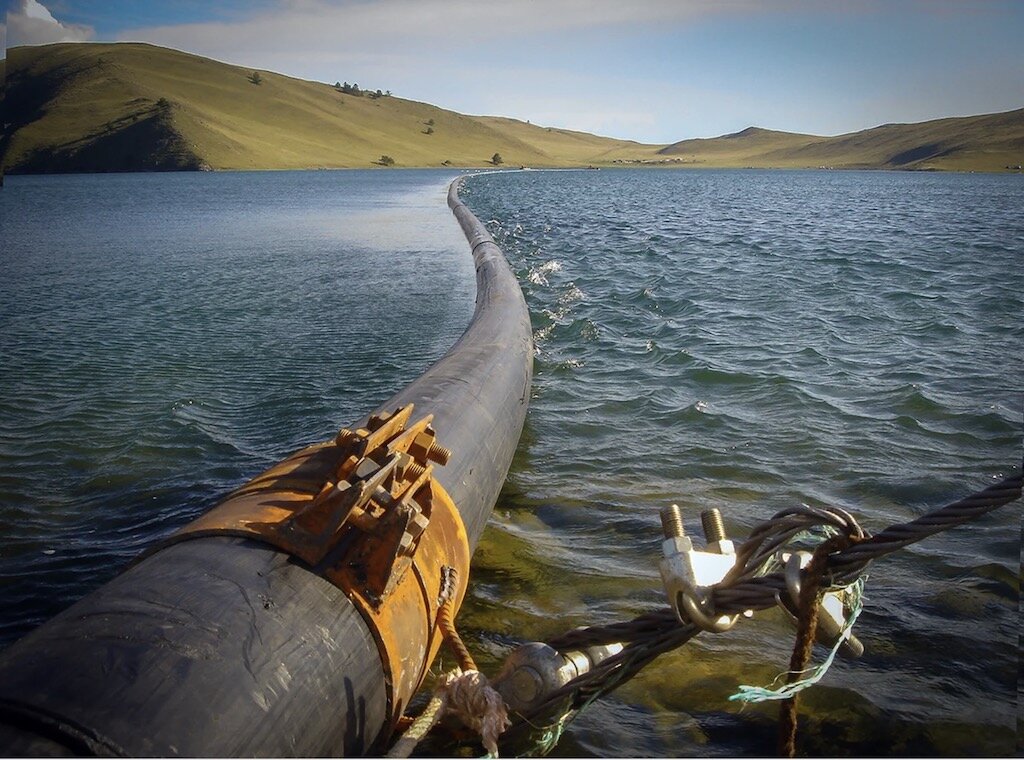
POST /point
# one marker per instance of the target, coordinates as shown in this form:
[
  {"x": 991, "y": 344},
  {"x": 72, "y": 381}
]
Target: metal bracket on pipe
[
  {"x": 364, "y": 512},
  {"x": 377, "y": 500}
]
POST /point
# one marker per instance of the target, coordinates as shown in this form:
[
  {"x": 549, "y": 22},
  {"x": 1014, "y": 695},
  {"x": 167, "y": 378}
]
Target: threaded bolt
[
  {"x": 414, "y": 471},
  {"x": 672, "y": 522},
  {"x": 714, "y": 528},
  {"x": 439, "y": 453}
]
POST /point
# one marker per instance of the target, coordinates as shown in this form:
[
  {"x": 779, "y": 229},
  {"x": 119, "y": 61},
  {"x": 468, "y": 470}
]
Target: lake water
[
  {"x": 165, "y": 337},
  {"x": 742, "y": 339}
]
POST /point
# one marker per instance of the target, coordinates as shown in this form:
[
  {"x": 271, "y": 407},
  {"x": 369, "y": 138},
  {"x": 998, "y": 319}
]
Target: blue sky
[{"x": 650, "y": 70}]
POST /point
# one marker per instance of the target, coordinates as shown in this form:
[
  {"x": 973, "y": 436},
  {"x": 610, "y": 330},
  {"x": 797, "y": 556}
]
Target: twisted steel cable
[
  {"x": 957, "y": 513},
  {"x": 658, "y": 631}
]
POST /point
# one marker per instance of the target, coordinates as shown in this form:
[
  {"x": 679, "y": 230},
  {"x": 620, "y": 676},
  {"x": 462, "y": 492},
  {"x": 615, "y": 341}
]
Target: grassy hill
[
  {"x": 95, "y": 107},
  {"x": 970, "y": 143},
  {"x": 744, "y": 148},
  {"x": 129, "y": 106}
]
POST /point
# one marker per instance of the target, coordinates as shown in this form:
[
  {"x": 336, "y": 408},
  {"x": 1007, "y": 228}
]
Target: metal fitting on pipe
[{"x": 535, "y": 670}]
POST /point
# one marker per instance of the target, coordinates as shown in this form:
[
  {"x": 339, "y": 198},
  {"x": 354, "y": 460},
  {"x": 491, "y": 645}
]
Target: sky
[{"x": 655, "y": 71}]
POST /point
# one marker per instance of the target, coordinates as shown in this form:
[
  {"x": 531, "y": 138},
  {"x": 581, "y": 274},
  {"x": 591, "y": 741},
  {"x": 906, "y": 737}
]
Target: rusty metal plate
[{"x": 405, "y": 623}]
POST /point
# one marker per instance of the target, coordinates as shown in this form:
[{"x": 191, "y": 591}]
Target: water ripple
[
  {"x": 160, "y": 343},
  {"x": 751, "y": 340}
]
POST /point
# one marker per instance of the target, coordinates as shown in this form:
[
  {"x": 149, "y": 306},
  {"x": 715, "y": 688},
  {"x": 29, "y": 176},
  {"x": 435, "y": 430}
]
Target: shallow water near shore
[
  {"x": 752, "y": 340},
  {"x": 741, "y": 339}
]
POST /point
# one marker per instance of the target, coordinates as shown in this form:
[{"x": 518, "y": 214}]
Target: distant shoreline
[{"x": 489, "y": 169}]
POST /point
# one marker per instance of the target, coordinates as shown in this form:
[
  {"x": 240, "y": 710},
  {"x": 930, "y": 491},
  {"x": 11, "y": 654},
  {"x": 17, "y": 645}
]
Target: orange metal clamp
[{"x": 365, "y": 513}]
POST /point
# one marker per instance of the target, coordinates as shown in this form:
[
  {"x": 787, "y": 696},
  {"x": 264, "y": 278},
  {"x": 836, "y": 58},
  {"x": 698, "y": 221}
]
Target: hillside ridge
[
  {"x": 988, "y": 142},
  {"x": 72, "y": 107}
]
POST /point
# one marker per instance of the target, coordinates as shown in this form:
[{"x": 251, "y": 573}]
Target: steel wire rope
[{"x": 655, "y": 632}]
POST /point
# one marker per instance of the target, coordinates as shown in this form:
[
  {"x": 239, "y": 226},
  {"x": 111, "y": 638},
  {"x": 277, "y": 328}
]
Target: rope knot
[{"x": 470, "y": 697}]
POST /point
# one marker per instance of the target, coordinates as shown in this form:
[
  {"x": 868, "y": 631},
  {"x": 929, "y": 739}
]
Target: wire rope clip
[
  {"x": 687, "y": 572},
  {"x": 832, "y": 613}
]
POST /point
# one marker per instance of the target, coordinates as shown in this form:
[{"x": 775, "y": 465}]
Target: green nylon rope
[{"x": 748, "y": 694}]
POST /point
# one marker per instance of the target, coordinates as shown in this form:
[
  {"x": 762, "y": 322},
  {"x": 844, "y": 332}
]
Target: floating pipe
[{"x": 225, "y": 646}]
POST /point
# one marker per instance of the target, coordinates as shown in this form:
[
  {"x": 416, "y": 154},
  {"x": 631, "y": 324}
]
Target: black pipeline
[{"x": 222, "y": 646}]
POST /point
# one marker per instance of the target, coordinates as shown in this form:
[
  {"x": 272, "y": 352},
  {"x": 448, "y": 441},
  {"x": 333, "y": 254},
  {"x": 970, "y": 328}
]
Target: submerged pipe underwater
[{"x": 225, "y": 645}]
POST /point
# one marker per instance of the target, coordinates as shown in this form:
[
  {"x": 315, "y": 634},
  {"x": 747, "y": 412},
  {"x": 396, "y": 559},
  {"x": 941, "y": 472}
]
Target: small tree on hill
[
  {"x": 386, "y": 160},
  {"x": 428, "y": 131},
  {"x": 497, "y": 159},
  {"x": 255, "y": 77}
]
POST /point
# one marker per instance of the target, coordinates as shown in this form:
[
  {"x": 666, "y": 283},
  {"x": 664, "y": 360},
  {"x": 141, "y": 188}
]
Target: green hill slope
[
  {"x": 101, "y": 107},
  {"x": 970, "y": 143},
  {"x": 129, "y": 106},
  {"x": 739, "y": 149}
]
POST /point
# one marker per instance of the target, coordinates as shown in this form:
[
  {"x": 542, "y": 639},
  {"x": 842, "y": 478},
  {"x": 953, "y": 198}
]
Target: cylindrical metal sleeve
[{"x": 221, "y": 646}]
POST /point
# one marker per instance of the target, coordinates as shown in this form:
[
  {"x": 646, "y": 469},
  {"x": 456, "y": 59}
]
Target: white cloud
[
  {"x": 554, "y": 61},
  {"x": 30, "y": 23},
  {"x": 458, "y": 54},
  {"x": 315, "y": 26}
]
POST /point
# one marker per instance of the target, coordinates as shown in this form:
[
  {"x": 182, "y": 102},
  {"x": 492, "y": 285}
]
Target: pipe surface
[{"x": 222, "y": 646}]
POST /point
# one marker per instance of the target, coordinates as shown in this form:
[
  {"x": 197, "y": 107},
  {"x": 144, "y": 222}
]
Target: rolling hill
[
  {"x": 138, "y": 107},
  {"x": 120, "y": 106},
  {"x": 970, "y": 143}
]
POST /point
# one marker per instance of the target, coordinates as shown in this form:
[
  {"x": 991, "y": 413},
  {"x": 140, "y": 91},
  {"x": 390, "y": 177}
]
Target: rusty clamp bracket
[{"x": 363, "y": 511}]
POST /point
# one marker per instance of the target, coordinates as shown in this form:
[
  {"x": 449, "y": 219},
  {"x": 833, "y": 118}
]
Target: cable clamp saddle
[{"x": 687, "y": 572}]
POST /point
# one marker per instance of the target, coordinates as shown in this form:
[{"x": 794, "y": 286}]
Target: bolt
[
  {"x": 439, "y": 453},
  {"x": 413, "y": 471},
  {"x": 672, "y": 522},
  {"x": 714, "y": 528}
]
